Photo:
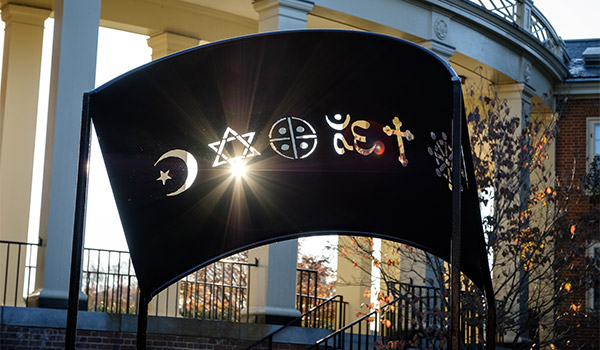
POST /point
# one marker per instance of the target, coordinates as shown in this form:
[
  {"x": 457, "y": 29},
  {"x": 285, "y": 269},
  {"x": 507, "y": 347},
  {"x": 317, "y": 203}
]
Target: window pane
[{"x": 596, "y": 138}]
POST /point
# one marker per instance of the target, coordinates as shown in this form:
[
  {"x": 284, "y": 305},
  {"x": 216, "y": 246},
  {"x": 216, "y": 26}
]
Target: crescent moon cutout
[{"x": 190, "y": 163}]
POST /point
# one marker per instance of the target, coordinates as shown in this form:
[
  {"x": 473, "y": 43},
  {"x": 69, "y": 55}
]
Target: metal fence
[
  {"x": 216, "y": 292},
  {"x": 414, "y": 319},
  {"x": 327, "y": 314},
  {"x": 537, "y": 25},
  {"x": 331, "y": 310},
  {"x": 109, "y": 281},
  {"x": 306, "y": 290},
  {"x": 426, "y": 307},
  {"x": 221, "y": 292},
  {"x": 17, "y": 277}
]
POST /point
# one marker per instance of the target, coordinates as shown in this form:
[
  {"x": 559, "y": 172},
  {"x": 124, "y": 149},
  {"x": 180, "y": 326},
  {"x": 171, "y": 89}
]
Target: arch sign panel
[{"x": 257, "y": 139}]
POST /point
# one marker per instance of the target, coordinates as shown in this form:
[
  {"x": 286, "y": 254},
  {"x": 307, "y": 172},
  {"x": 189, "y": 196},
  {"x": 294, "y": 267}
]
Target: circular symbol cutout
[{"x": 293, "y": 138}]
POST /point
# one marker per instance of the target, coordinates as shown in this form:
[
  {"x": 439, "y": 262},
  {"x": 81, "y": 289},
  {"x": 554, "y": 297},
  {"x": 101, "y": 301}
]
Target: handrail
[
  {"x": 417, "y": 310},
  {"x": 23, "y": 243},
  {"x": 536, "y": 25},
  {"x": 341, "y": 331},
  {"x": 296, "y": 321},
  {"x": 19, "y": 260},
  {"x": 542, "y": 30}
]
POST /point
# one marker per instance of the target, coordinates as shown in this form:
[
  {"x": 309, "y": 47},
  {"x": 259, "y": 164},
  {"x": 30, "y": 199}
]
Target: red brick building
[{"x": 578, "y": 141}]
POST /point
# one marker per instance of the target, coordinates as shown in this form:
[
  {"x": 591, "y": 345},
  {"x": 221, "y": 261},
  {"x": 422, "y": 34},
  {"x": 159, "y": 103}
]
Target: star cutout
[
  {"x": 164, "y": 176},
  {"x": 231, "y": 135}
]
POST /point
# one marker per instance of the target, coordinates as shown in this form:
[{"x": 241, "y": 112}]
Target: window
[{"x": 593, "y": 139}]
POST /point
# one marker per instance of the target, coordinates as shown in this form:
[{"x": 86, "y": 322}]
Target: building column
[
  {"x": 273, "y": 285},
  {"x": 353, "y": 277},
  {"x": 282, "y": 14},
  {"x": 18, "y": 114},
  {"x": 18, "y": 111},
  {"x": 73, "y": 73},
  {"x": 163, "y": 44},
  {"x": 518, "y": 96},
  {"x": 166, "y": 43}
]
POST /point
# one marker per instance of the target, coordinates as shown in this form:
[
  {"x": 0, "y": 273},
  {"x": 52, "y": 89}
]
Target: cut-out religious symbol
[
  {"x": 363, "y": 124},
  {"x": 442, "y": 153},
  {"x": 164, "y": 176},
  {"x": 339, "y": 126},
  {"x": 229, "y": 136},
  {"x": 399, "y": 135},
  {"x": 190, "y": 163},
  {"x": 293, "y": 138}
]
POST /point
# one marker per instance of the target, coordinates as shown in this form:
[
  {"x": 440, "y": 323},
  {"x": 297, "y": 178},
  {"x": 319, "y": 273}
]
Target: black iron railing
[
  {"x": 364, "y": 333},
  {"x": 420, "y": 307},
  {"x": 332, "y": 319},
  {"x": 17, "y": 276},
  {"x": 109, "y": 281},
  {"x": 216, "y": 292},
  {"x": 415, "y": 318},
  {"x": 306, "y": 290},
  {"x": 425, "y": 307},
  {"x": 326, "y": 314}
]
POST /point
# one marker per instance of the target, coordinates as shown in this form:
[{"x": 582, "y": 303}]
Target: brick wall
[
  {"x": 39, "y": 328},
  {"x": 23, "y": 337},
  {"x": 571, "y": 152}
]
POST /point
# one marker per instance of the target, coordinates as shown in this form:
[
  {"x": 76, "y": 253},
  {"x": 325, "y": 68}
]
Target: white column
[
  {"x": 353, "y": 277},
  {"x": 273, "y": 283},
  {"x": 518, "y": 96},
  {"x": 166, "y": 43},
  {"x": 73, "y": 72},
  {"x": 18, "y": 114},
  {"x": 282, "y": 14}
]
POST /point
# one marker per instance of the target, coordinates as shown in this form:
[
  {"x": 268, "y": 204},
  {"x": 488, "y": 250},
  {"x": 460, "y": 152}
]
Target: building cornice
[
  {"x": 580, "y": 88},
  {"x": 509, "y": 34}
]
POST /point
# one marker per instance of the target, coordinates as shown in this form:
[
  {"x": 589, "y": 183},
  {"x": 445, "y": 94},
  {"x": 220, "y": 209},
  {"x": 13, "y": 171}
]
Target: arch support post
[{"x": 456, "y": 216}]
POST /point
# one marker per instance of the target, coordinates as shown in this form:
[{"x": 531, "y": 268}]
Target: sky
[
  {"x": 119, "y": 52},
  {"x": 572, "y": 19}
]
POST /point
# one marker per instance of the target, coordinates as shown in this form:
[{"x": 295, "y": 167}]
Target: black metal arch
[{"x": 340, "y": 131}]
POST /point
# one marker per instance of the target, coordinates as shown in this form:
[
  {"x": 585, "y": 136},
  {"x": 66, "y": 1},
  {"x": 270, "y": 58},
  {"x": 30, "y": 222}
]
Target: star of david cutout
[{"x": 232, "y": 135}]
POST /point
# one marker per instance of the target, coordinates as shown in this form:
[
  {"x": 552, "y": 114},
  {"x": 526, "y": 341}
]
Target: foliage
[
  {"x": 532, "y": 239},
  {"x": 591, "y": 181},
  {"x": 325, "y": 274}
]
